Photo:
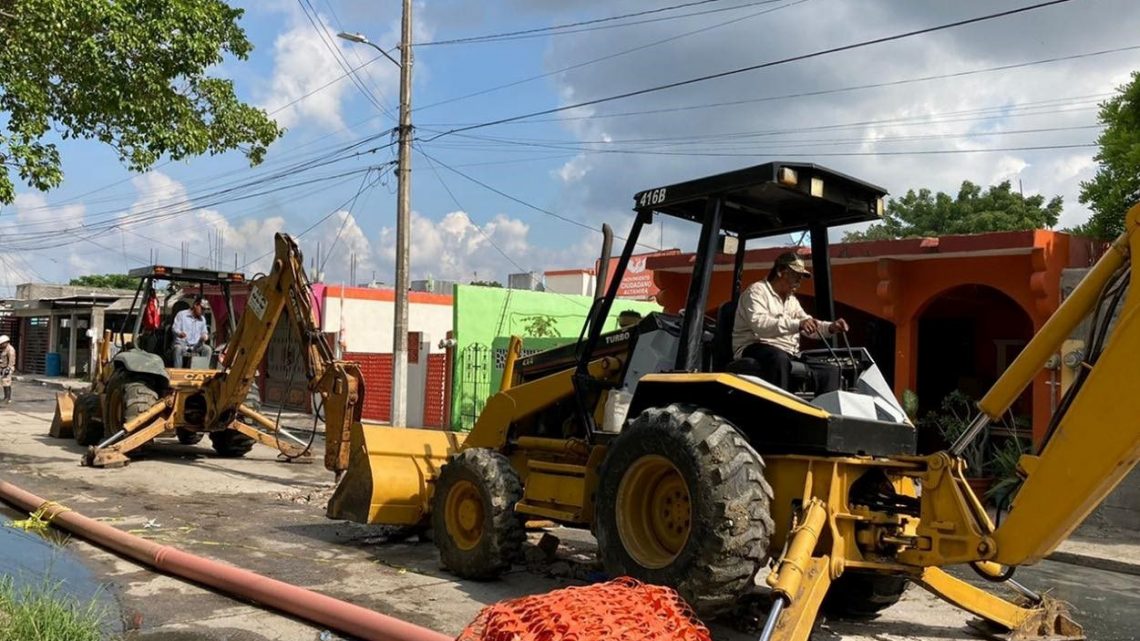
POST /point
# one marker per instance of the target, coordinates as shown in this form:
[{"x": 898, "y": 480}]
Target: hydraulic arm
[{"x": 286, "y": 289}]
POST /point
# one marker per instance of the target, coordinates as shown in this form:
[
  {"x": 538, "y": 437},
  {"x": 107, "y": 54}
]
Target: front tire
[
  {"x": 231, "y": 443},
  {"x": 682, "y": 501},
  {"x": 189, "y": 437},
  {"x": 128, "y": 396},
  {"x": 474, "y": 523},
  {"x": 87, "y": 420}
]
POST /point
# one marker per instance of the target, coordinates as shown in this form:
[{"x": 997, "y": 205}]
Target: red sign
[{"x": 638, "y": 281}]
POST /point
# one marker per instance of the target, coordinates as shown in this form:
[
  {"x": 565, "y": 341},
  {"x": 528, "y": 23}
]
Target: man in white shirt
[
  {"x": 190, "y": 333},
  {"x": 769, "y": 323}
]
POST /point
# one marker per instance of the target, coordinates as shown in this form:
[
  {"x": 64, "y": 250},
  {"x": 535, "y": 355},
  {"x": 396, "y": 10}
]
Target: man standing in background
[{"x": 7, "y": 367}]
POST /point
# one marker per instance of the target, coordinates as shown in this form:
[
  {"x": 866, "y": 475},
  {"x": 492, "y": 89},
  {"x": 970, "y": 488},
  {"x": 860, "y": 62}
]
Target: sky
[{"x": 1012, "y": 98}]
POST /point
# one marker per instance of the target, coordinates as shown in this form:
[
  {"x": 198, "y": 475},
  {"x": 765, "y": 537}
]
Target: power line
[
  {"x": 543, "y": 30},
  {"x": 739, "y": 138},
  {"x": 219, "y": 196},
  {"x": 520, "y": 201},
  {"x": 431, "y": 163},
  {"x": 611, "y": 56},
  {"x": 330, "y": 43},
  {"x": 344, "y": 223},
  {"x": 331, "y": 213},
  {"x": 822, "y": 92},
  {"x": 764, "y": 65}
]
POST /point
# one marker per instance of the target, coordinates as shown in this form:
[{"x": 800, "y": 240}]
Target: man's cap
[
  {"x": 4, "y": 339},
  {"x": 792, "y": 261},
  {"x": 199, "y": 299}
]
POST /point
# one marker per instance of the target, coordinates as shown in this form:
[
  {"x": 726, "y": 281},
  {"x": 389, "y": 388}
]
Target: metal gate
[
  {"x": 475, "y": 386},
  {"x": 34, "y": 345}
]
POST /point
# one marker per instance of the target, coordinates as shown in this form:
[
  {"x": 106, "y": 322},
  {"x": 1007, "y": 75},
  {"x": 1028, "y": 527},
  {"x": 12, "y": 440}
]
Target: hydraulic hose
[{"x": 304, "y": 604}]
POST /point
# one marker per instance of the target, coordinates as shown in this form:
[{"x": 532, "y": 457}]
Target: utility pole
[
  {"x": 403, "y": 215},
  {"x": 403, "y": 225}
]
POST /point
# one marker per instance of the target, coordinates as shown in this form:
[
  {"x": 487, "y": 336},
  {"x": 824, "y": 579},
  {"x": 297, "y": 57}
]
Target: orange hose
[{"x": 305, "y": 604}]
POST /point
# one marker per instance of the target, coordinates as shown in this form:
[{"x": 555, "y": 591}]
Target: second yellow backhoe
[
  {"x": 136, "y": 397},
  {"x": 695, "y": 473}
]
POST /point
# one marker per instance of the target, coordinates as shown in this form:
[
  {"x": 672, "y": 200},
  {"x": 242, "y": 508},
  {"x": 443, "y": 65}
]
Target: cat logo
[{"x": 203, "y": 375}]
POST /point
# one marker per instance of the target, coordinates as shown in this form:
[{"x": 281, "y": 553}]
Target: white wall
[
  {"x": 368, "y": 323},
  {"x": 576, "y": 284}
]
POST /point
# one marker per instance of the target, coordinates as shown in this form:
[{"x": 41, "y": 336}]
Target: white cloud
[
  {"x": 954, "y": 114},
  {"x": 455, "y": 247}
]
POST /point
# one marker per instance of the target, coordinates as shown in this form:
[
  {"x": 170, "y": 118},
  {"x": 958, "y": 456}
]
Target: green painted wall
[{"x": 484, "y": 314}]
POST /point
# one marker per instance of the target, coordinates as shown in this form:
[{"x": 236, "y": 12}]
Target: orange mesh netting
[{"x": 621, "y": 610}]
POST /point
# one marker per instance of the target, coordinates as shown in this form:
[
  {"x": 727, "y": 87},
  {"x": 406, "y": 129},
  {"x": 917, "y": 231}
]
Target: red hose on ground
[{"x": 302, "y": 603}]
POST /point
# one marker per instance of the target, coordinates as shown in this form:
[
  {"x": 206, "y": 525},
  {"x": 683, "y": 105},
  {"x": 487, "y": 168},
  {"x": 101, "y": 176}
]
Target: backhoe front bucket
[
  {"x": 61, "y": 421},
  {"x": 391, "y": 473}
]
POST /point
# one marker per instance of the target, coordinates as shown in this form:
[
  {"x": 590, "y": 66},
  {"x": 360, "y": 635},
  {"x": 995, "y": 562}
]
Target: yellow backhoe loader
[
  {"x": 711, "y": 476},
  {"x": 136, "y": 397}
]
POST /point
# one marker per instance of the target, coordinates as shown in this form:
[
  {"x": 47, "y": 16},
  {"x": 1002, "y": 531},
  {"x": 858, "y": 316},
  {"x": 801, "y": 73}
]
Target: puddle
[{"x": 33, "y": 559}]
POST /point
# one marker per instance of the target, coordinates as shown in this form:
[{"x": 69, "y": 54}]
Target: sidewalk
[{"x": 1101, "y": 548}]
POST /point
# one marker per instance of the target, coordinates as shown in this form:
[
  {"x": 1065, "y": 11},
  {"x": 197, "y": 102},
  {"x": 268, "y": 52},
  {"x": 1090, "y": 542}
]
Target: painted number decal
[
  {"x": 257, "y": 302},
  {"x": 652, "y": 197}
]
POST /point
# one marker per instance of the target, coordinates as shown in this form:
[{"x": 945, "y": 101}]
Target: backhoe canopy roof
[
  {"x": 769, "y": 199},
  {"x": 184, "y": 275}
]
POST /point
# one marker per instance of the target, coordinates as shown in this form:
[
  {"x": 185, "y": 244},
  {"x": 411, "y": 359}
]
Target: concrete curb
[{"x": 1096, "y": 562}]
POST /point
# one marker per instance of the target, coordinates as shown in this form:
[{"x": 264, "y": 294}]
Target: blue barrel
[{"x": 52, "y": 364}]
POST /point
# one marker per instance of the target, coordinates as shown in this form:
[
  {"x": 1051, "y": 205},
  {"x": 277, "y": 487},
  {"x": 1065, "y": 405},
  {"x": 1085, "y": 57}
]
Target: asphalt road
[{"x": 268, "y": 517}]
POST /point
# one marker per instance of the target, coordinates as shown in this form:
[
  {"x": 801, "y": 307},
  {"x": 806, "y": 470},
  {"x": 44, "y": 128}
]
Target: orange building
[{"x": 937, "y": 314}]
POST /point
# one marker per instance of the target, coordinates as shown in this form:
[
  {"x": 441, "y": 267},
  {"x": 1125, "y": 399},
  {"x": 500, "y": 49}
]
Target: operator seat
[{"x": 723, "y": 360}]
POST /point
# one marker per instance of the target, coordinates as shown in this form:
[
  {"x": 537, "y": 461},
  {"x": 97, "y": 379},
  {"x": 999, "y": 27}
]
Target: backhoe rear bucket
[
  {"x": 391, "y": 473},
  {"x": 61, "y": 421}
]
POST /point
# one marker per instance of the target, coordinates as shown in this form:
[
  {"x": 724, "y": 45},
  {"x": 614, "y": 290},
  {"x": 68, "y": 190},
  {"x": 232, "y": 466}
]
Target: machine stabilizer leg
[
  {"x": 1046, "y": 620},
  {"x": 793, "y": 620},
  {"x": 800, "y": 581}
]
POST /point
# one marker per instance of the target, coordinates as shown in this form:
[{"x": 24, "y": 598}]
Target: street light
[
  {"x": 403, "y": 215},
  {"x": 360, "y": 38}
]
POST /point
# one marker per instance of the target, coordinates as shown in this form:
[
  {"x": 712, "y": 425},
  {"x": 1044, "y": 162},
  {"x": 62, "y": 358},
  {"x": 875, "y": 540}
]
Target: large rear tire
[
  {"x": 682, "y": 501},
  {"x": 863, "y": 595},
  {"x": 474, "y": 523}
]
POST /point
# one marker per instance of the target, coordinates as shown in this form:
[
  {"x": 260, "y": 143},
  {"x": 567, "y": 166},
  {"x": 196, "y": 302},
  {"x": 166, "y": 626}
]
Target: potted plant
[
  {"x": 954, "y": 416},
  {"x": 1003, "y": 468}
]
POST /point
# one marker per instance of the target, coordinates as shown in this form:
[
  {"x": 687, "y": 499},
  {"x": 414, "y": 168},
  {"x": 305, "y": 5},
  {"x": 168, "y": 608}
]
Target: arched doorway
[{"x": 967, "y": 336}]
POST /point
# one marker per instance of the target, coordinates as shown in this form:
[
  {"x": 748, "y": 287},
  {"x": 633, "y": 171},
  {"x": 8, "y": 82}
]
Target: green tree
[
  {"x": 105, "y": 281},
  {"x": 541, "y": 326},
  {"x": 1116, "y": 185},
  {"x": 486, "y": 283},
  {"x": 131, "y": 74},
  {"x": 974, "y": 210}
]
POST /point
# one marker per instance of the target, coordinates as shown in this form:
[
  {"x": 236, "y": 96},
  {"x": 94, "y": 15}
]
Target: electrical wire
[
  {"x": 380, "y": 175},
  {"x": 611, "y": 56},
  {"x": 329, "y": 41},
  {"x": 508, "y": 35},
  {"x": 522, "y": 202},
  {"x": 756, "y": 67},
  {"x": 821, "y": 92}
]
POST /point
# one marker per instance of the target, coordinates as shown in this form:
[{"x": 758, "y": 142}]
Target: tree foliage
[
  {"x": 105, "y": 281},
  {"x": 974, "y": 210},
  {"x": 486, "y": 283},
  {"x": 1116, "y": 185},
  {"x": 541, "y": 326},
  {"x": 129, "y": 73}
]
